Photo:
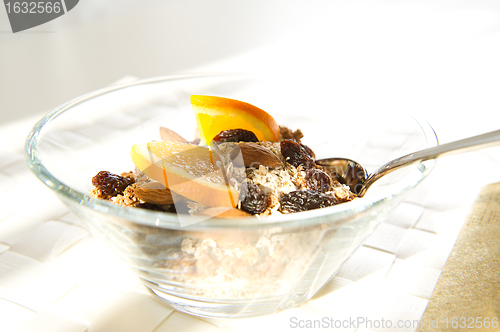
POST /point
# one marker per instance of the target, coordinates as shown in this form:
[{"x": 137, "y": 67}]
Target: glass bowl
[{"x": 220, "y": 267}]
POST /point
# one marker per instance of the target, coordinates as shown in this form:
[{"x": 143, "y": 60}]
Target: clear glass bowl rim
[{"x": 170, "y": 220}]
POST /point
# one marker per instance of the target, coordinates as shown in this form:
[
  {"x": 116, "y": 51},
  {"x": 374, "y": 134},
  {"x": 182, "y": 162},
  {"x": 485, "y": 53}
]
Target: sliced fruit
[
  {"x": 215, "y": 114},
  {"x": 224, "y": 212},
  {"x": 187, "y": 170}
]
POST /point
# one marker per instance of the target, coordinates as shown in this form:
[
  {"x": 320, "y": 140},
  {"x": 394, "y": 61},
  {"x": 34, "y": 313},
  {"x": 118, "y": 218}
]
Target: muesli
[
  {"x": 264, "y": 177},
  {"x": 233, "y": 173}
]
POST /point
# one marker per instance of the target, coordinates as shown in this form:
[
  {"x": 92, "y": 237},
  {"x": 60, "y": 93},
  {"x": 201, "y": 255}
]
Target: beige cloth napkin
[{"x": 467, "y": 295}]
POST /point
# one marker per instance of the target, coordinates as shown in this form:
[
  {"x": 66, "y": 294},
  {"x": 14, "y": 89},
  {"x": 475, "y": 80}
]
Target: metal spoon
[{"x": 351, "y": 173}]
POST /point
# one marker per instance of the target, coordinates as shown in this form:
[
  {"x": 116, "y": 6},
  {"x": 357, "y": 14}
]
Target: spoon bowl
[
  {"x": 347, "y": 171},
  {"x": 354, "y": 175}
]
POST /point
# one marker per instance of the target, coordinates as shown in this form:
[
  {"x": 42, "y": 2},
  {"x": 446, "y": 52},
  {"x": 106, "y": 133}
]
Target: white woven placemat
[{"x": 54, "y": 276}]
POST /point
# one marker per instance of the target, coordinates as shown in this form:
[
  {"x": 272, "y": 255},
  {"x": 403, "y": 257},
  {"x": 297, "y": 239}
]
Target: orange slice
[
  {"x": 215, "y": 114},
  {"x": 187, "y": 170}
]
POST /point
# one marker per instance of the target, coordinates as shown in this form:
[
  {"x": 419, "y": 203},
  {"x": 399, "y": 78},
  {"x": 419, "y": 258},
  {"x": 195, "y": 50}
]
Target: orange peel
[{"x": 215, "y": 114}]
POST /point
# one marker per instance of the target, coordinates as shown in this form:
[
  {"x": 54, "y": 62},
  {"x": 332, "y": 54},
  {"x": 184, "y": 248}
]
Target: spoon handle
[{"x": 463, "y": 145}]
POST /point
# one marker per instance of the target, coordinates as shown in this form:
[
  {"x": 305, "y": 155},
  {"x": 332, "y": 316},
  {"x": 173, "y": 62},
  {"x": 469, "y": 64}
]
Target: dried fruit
[
  {"x": 303, "y": 200},
  {"x": 196, "y": 141},
  {"x": 308, "y": 150},
  {"x": 317, "y": 179},
  {"x": 252, "y": 199},
  {"x": 296, "y": 154},
  {"x": 168, "y": 135},
  {"x": 235, "y": 135},
  {"x": 109, "y": 183},
  {"x": 254, "y": 155},
  {"x": 154, "y": 193}
]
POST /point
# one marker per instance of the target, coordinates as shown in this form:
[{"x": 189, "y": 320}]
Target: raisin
[
  {"x": 303, "y": 200},
  {"x": 235, "y": 135},
  {"x": 109, "y": 183},
  {"x": 308, "y": 150},
  {"x": 295, "y": 154},
  {"x": 317, "y": 179},
  {"x": 252, "y": 199},
  {"x": 196, "y": 141},
  {"x": 154, "y": 207}
]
